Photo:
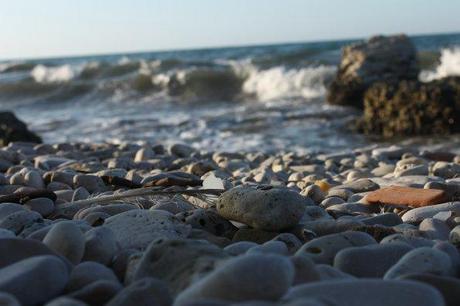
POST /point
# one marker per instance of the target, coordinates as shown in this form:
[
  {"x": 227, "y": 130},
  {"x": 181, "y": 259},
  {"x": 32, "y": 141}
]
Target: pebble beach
[{"x": 147, "y": 224}]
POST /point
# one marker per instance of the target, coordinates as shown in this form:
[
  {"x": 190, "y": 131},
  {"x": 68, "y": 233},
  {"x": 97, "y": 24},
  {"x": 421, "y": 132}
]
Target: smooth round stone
[
  {"x": 209, "y": 220},
  {"x": 137, "y": 228},
  {"x": 174, "y": 206},
  {"x": 332, "y": 226},
  {"x": 313, "y": 213},
  {"x": 305, "y": 270},
  {"x": 7, "y": 299},
  {"x": 327, "y": 273},
  {"x": 97, "y": 293},
  {"x": 143, "y": 292},
  {"x": 272, "y": 210},
  {"x": 65, "y": 301},
  {"x": 421, "y": 260},
  {"x": 239, "y": 247},
  {"x": 43, "y": 206},
  {"x": 120, "y": 262},
  {"x": 351, "y": 209},
  {"x": 56, "y": 186},
  {"x": 34, "y": 179},
  {"x": 434, "y": 229},
  {"x": 387, "y": 219},
  {"x": 89, "y": 272},
  {"x": 449, "y": 287},
  {"x": 100, "y": 245},
  {"x": 111, "y": 209},
  {"x": 373, "y": 292},
  {"x": 178, "y": 262},
  {"x": 453, "y": 253},
  {"x": 92, "y": 183},
  {"x": 34, "y": 280},
  {"x": 96, "y": 218},
  {"x": 266, "y": 277},
  {"x": 66, "y": 239},
  {"x": 324, "y": 249},
  {"x": 181, "y": 150},
  {"x": 356, "y": 261},
  {"x": 331, "y": 201},
  {"x": 314, "y": 192},
  {"x": 290, "y": 240},
  {"x": 80, "y": 194},
  {"x": 18, "y": 220},
  {"x": 270, "y": 247}
]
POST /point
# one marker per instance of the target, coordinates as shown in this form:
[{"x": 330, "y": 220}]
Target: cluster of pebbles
[{"x": 375, "y": 226}]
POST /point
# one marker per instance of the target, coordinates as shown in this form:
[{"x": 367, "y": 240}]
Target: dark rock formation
[
  {"x": 13, "y": 129},
  {"x": 379, "y": 59},
  {"x": 412, "y": 108}
]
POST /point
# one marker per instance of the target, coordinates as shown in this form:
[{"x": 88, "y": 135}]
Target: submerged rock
[{"x": 13, "y": 129}]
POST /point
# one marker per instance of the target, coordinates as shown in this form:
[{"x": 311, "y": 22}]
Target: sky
[{"x": 48, "y": 28}]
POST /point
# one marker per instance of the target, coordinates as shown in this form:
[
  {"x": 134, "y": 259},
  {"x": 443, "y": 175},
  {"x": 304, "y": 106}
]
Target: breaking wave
[
  {"x": 449, "y": 65},
  {"x": 216, "y": 80}
]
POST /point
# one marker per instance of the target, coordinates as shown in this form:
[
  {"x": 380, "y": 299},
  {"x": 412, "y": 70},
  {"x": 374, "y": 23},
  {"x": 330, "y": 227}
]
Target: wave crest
[{"x": 449, "y": 65}]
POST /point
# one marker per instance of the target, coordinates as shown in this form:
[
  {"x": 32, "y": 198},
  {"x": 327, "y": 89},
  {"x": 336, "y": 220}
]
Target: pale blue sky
[{"x": 40, "y": 28}]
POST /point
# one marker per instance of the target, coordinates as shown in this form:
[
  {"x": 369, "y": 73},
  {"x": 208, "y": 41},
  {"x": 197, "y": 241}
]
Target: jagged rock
[
  {"x": 378, "y": 59},
  {"x": 412, "y": 108}
]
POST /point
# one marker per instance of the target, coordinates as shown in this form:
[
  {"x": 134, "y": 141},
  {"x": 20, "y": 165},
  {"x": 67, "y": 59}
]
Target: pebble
[
  {"x": 65, "y": 301},
  {"x": 239, "y": 248},
  {"x": 66, "y": 239},
  {"x": 97, "y": 293},
  {"x": 270, "y": 247},
  {"x": 273, "y": 209},
  {"x": 34, "y": 280},
  {"x": 421, "y": 260},
  {"x": 373, "y": 292},
  {"x": 226, "y": 283},
  {"x": 18, "y": 220},
  {"x": 325, "y": 248},
  {"x": 417, "y": 215},
  {"x": 137, "y": 228}
]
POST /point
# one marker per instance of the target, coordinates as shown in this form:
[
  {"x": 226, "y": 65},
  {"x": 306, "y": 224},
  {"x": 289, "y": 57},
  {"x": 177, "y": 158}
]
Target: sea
[{"x": 251, "y": 98}]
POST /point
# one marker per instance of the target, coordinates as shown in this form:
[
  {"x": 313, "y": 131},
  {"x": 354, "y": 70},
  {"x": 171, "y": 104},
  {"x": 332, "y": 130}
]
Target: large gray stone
[
  {"x": 272, "y": 209},
  {"x": 66, "y": 239},
  {"x": 137, "y": 228},
  {"x": 143, "y": 292}
]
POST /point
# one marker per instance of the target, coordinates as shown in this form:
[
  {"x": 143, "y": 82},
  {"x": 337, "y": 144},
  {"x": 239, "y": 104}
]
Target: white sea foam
[
  {"x": 449, "y": 66},
  {"x": 60, "y": 74},
  {"x": 279, "y": 82}
]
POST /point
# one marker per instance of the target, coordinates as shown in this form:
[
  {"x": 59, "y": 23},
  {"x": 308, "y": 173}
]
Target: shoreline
[{"x": 304, "y": 226}]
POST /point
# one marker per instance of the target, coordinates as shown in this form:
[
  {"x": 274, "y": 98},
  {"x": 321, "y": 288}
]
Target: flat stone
[
  {"x": 325, "y": 248},
  {"x": 406, "y": 196},
  {"x": 360, "y": 185},
  {"x": 373, "y": 292},
  {"x": 34, "y": 280},
  {"x": 43, "y": 206},
  {"x": 419, "y": 214},
  {"x": 272, "y": 209},
  {"x": 226, "y": 283},
  {"x": 18, "y": 220},
  {"x": 421, "y": 260},
  {"x": 137, "y": 228},
  {"x": 370, "y": 261}
]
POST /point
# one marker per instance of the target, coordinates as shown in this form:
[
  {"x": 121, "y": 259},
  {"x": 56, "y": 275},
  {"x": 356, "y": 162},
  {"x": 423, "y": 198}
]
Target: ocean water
[{"x": 242, "y": 98}]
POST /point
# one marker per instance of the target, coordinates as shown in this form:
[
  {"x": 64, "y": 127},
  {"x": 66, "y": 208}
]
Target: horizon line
[{"x": 203, "y": 48}]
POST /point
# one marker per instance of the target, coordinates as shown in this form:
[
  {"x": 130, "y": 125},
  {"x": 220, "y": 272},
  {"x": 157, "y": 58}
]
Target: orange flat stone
[{"x": 406, "y": 196}]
